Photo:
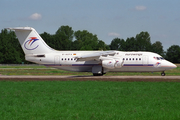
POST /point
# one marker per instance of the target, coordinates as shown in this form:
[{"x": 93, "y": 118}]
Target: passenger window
[
  {"x": 139, "y": 58},
  {"x": 133, "y": 58},
  {"x": 62, "y": 59},
  {"x": 65, "y": 58},
  {"x": 129, "y": 58},
  {"x": 126, "y": 58},
  {"x": 123, "y": 59},
  {"x": 136, "y": 59}
]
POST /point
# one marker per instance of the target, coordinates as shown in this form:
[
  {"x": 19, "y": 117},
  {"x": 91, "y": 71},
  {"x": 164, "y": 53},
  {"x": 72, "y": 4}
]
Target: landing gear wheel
[
  {"x": 163, "y": 74},
  {"x": 96, "y": 74}
]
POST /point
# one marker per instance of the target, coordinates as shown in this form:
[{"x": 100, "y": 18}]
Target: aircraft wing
[{"x": 95, "y": 56}]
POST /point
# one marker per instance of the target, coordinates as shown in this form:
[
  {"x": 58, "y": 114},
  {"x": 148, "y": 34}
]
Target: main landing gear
[
  {"x": 96, "y": 74},
  {"x": 163, "y": 73}
]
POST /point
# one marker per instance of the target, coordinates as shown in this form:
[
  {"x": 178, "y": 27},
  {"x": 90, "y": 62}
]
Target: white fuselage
[
  {"x": 97, "y": 62},
  {"x": 131, "y": 61}
]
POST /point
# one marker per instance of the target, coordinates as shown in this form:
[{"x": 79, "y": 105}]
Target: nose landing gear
[{"x": 163, "y": 73}]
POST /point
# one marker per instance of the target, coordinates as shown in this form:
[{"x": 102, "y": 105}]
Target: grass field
[
  {"x": 89, "y": 100},
  {"x": 42, "y": 70}
]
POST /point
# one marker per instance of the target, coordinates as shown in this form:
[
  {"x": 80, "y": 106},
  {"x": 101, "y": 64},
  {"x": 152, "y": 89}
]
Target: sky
[{"x": 108, "y": 19}]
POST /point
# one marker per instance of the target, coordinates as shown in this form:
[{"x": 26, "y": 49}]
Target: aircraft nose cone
[
  {"x": 171, "y": 65},
  {"x": 174, "y": 66}
]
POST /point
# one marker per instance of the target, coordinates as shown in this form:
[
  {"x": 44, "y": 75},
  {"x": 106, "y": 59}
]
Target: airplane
[{"x": 97, "y": 62}]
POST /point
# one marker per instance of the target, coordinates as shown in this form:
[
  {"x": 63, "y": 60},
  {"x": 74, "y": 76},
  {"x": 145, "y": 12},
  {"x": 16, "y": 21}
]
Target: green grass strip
[
  {"x": 42, "y": 70},
  {"x": 56, "y": 100}
]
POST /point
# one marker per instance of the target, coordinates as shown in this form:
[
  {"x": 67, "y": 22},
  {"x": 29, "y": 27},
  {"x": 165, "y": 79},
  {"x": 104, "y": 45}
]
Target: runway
[{"x": 91, "y": 78}]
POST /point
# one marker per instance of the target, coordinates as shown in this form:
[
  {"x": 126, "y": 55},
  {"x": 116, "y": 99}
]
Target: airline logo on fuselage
[
  {"x": 31, "y": 43},
  {"x": 158, "y": 64}
]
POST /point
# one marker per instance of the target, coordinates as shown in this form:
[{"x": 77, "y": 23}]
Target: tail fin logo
[{"x": 30, "y": 44}]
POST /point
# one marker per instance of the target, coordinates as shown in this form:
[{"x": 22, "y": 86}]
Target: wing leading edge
[{"x": 95, "y": 56}]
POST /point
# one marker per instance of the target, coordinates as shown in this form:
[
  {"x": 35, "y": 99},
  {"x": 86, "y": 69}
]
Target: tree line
[{"x": 67, "y": 39}]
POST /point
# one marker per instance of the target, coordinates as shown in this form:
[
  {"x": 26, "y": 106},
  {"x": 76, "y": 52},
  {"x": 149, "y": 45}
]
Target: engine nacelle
[
  {"x": 118, "y": 63},
  {"x": 111, "y": 64}
]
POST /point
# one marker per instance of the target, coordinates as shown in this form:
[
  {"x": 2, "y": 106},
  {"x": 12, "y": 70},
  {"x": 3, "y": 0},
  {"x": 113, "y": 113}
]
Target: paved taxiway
[{"x": 88, "y": 78}]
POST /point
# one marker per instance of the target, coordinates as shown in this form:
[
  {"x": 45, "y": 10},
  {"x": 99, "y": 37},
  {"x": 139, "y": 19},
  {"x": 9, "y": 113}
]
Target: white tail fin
[{"x": 30, "y": 41}]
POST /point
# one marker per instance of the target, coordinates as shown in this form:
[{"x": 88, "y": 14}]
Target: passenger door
[
  {"x": 57, "y": 60},
  {"x": 145, "y": 60}
]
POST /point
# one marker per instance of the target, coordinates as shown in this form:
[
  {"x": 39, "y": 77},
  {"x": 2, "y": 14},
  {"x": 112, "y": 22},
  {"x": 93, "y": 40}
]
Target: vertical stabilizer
[{"x": 30, "y": 41}]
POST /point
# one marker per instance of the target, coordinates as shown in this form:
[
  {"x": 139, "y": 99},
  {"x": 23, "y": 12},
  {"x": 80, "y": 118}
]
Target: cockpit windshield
[
  {"x": 162, "y": 58},
  {"x": 158, "y": 58}
]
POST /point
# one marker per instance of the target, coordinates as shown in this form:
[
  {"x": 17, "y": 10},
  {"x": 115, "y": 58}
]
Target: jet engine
[{"x": 111, "y": 64}]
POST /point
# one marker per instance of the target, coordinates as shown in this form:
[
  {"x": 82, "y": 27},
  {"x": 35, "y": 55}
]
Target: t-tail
[{"x": 31, "y": 42}]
